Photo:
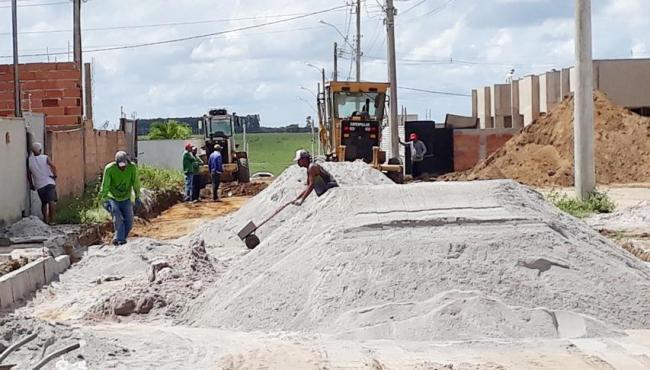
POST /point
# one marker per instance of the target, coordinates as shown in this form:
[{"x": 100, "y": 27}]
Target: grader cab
[{"x": 354, "y": 124}]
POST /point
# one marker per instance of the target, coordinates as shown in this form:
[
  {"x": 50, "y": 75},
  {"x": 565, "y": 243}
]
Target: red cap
[
  {"x": 414, "y": 136},
  {"x": 188, "y": 146}
]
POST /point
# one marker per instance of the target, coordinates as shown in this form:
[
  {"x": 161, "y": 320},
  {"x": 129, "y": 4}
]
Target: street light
[
  {"x": 339, "y": 32},
  {"x": 310, "y": 91},
  {"x": 308, "y": 103}
]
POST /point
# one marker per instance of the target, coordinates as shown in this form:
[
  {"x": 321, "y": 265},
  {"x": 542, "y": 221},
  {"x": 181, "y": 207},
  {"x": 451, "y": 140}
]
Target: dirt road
[{"x": 184, "y": 218}]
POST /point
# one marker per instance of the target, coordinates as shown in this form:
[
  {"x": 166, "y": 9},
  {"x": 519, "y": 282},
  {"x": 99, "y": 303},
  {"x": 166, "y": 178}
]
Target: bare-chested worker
[{"x": 318, "y": 179}]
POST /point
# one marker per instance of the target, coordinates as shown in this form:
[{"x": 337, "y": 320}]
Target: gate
[{"x": 440, "y": 147}]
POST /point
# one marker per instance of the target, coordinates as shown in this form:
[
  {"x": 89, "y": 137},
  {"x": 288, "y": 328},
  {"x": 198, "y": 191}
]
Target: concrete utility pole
[
  {"x": 583, "y": 123},
  {"x": 335, "y": 77},
  {"x": 18, "y": 111},
  {"x": 77, "y": 32},
  {"x": 392, "y": 74},
  {"x": 358, "y": 40}
]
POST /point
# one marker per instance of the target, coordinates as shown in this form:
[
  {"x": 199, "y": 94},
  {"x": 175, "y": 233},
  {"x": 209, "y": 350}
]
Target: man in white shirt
[{"x": 41, "y": 174}]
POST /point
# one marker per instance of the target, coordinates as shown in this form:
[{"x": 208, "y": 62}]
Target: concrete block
[
  {"x": 6, "y": 294},
  {"x": 36, "y": 274},
  {"x": 51, "y": 269},
  {"x": 63, "y": 263},
  {"x": 19, "y": 281}
]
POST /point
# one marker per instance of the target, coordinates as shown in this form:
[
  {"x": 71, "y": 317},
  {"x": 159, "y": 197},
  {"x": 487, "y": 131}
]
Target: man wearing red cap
[{"x": 418, "y": 151}]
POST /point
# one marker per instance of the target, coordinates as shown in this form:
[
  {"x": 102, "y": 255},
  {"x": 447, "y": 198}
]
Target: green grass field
[{"x": 274, "y": 152}]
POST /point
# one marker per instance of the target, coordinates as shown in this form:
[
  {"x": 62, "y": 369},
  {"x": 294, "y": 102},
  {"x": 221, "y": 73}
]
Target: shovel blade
[{"x": 247, "y": 230}]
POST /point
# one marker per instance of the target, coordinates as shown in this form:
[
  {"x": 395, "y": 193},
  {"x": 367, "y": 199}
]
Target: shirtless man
[{"x": 318, "y": 179}]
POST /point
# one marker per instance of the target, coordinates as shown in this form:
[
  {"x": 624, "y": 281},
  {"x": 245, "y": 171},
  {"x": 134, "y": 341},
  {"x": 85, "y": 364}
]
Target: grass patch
[
  {"x": 596, "y": 202},
  {"x": 274, "y": 152},
  {"x": 158, "y": 179},
  {"x": 87, "y": 209}
]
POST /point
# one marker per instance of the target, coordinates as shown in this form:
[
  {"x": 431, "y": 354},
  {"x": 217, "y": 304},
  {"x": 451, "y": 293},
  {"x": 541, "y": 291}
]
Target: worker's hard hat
[
  {"x": 301, "y": 154},
  {"x": 122, "y": 159},
  {"x": 414, "y": 136}
]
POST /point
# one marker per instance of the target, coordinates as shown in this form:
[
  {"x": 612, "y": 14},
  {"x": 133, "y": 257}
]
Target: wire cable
[{"x": 194, "y": 37}]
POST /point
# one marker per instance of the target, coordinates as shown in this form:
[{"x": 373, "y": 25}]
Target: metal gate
[{"x": 440, "y": 147}]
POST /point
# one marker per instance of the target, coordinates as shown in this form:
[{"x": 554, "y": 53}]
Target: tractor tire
[{"x": 243, "y": 171}]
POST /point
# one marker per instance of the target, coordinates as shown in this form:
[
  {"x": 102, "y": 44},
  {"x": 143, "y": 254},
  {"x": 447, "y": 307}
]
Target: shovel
[{"x": 247, "y": 234}]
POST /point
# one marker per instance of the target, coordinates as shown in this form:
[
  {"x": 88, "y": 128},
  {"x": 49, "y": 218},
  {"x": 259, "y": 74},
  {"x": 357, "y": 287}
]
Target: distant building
[{"x": 624, "y": 81}]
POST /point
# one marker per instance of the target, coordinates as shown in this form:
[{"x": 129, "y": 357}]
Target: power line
[
  {"x": 194, "y": 37},
  {"x": 413, "y": 7},
  {"x": 162, "y": 24},
  {"x": 434, "y": 91},
  {"x": 31, "y": 5}
]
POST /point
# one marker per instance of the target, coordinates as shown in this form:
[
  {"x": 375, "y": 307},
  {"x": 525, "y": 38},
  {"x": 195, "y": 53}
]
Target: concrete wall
[
  {"x": 53, "y": 89},
  {"x": 65, "y": 148},
  {"x": 529, "y": 99},
  {"x": 565, "y": 83},
  {"x": 35, "y": 124},
  {"x": 100, "y": 149},
  {"x": 164, "y": 153},
  {"x": 484, "y": 107},
  {"x": 14, "y": 190},
  {"x": 626, "y": 82},
  {"x": 472, "y": 146},
  {"x": 474, "y": 103},
  {"x": 549, "y": 90},
  {"x": 501, "y": 106}
]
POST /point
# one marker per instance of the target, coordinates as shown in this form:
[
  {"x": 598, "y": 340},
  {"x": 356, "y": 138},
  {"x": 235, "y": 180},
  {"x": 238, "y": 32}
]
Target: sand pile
[
  {"x": 145, "y": 278},
  {"x": 543, "y": 153},
  {"x": 30, "y": 227},
  {"x": 421, "y": 262}
]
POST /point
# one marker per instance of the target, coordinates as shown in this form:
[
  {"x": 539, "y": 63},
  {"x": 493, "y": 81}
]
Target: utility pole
[
  {"x": 358, "y": 57},
  {"x": 392, "y": 74},
  {"x": 77, "y": 33},
  {"x": 583, "y": 123},
  {"x": 335, "y": 77},
  {"x": 18, "y": 111}
]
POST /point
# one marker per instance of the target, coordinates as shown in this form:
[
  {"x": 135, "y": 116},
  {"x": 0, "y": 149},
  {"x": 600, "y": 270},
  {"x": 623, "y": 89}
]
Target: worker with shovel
[
  {"x": 318, "y": 179},
  {"x": 119, "y": 182}
]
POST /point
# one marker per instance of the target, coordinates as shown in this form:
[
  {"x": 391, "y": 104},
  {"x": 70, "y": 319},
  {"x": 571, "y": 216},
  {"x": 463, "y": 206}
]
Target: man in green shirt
[
  {"x": 119, "y": 181},
  {"x": 188, "y": 166}
]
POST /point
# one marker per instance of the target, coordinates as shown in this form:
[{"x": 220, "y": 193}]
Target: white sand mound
[{"x": 328, "y": 265}]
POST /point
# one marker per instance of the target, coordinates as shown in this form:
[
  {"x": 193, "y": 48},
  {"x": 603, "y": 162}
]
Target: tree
[{"x": 169, "y": 130}]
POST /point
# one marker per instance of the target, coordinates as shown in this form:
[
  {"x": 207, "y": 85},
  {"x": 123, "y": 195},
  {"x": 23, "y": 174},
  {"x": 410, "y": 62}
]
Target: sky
[{"x": 257, "y": 63}]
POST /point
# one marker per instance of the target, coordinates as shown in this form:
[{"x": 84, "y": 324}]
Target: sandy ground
[
  {"x": 184, "y": 218},
  {"x": 175, "y": 347}
]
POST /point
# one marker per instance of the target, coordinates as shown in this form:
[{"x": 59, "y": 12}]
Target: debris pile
[
  {"x": 542, "y": 155},
  {"x": 171, "y": 284},
  {"x": 451, "y": 261}
]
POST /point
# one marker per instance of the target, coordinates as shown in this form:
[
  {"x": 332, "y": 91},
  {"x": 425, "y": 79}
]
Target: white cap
[
  {"x": 37, "y": 147},
  {"x": 122, "y": 159},
  {"x": 300, "y": 154}
]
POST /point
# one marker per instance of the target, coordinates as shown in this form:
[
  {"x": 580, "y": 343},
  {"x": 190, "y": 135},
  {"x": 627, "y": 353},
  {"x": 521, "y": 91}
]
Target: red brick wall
[
  {"x": 472, "y": 146},
  {"x": 55, "y": 90},
  {"x": 466, "y": 150}
]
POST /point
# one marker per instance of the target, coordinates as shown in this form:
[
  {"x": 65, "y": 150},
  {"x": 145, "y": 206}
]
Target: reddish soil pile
[{"x": 542, "y": 154}]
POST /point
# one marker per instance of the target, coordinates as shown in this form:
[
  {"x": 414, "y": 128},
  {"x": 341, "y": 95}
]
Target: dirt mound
[{"x": 542, "y": 154}]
